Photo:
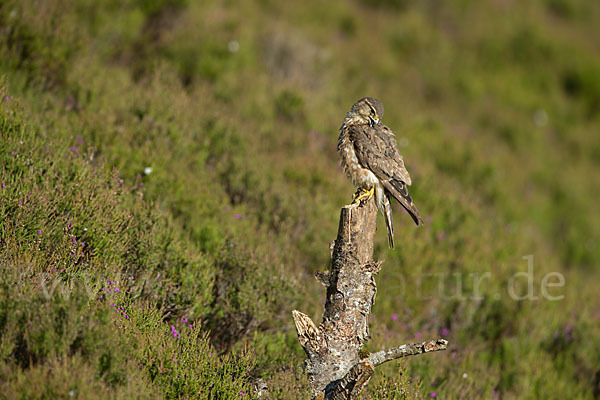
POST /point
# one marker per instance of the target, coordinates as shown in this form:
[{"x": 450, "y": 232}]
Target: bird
[{"x": 370, "y": 158}]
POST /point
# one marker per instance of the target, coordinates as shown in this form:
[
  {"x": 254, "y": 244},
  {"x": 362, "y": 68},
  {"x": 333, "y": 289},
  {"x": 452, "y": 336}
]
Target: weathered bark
[
  {"x": 406, "y": 350},
  {"x": 335, "y": 365}
]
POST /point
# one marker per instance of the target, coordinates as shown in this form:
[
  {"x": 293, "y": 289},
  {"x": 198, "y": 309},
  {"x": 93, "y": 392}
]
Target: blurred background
[{"x": 170, "y": 184}]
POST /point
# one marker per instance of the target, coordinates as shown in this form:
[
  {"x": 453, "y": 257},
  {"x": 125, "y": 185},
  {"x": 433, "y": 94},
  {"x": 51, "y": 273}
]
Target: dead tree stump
[{"x": 336, "y": 367}]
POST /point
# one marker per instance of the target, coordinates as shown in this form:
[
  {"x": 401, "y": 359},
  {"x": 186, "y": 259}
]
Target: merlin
[{"x": 370, "y": 158}]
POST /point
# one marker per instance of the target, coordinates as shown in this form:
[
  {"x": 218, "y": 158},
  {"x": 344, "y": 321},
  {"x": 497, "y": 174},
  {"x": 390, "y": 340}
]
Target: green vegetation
[{"x": 170, "y": 184}]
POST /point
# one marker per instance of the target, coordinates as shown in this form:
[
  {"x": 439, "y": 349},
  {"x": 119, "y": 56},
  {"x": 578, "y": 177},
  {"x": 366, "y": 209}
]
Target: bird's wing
[{"x": 376, "y": 150}]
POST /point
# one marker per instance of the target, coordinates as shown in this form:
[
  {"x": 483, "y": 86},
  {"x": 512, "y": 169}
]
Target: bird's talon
[{"x": 365, "y": 195}]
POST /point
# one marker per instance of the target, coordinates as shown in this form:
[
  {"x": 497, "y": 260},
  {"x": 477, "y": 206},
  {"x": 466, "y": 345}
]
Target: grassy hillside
[{"x": 169, "y": 185}]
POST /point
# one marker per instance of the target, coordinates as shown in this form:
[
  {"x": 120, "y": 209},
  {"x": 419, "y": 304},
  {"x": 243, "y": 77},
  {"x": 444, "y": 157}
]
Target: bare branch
[
  {"x": 406, "y": 350},
  {"x": 308, "y": 334}
]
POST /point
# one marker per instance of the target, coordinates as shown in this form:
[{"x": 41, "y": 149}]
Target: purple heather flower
[
  {"x": 190, "y": 326},
  {"x": 174, "y": 332},
  {"x": 184, "y": 320},
  {"x": 433, "y": 395},
  {"x": 39, "y": 232},
  {"x": 242, "y": 394},
  {"x": 418, "y": 335},
  {"x": 79, "y": 139},
  {"x": 7, "y": 99},
  {"x": 74, "y": 149},
  {"x": 444, "y": 331},
  {"x": 238, "y": 216},
  {"x": 117, "y": 290},
  {"x": 3, "y": 185},
  {"x": 127, "y": 317},
  {"x": 569, "y": 333},
  {"x": 394, "y": 317}
]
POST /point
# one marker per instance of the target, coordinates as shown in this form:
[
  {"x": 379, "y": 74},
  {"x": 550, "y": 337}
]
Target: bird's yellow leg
[{"x": 365, "y": 195}]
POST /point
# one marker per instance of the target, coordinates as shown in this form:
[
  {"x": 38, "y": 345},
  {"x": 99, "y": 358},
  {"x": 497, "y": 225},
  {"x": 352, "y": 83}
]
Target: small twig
[{"x": 406, "y": 350}]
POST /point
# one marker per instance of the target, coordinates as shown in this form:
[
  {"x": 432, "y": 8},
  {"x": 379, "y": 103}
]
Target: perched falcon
[{"x": 370, "y": 158}]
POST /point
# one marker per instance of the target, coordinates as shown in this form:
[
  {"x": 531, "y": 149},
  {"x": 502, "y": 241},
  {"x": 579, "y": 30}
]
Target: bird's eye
[{"x": 372, "y": 111}]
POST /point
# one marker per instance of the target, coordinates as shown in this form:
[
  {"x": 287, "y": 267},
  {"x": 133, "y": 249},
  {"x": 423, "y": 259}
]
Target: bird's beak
[{"x": 373, "y": 121}]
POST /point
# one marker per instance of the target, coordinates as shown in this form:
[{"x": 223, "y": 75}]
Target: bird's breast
[{"x": 360, "y": 176}]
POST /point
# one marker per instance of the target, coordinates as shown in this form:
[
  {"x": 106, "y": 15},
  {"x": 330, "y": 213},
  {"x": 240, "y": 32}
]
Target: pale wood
[{"x": 335, "y": 365}]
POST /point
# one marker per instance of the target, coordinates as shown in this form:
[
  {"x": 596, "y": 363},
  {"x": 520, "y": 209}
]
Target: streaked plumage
[{"x": 370, "y": 158}]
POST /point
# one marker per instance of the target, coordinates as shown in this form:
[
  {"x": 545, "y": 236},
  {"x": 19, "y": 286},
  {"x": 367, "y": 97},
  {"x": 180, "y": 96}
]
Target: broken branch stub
[{"x": 334, "y": 364}]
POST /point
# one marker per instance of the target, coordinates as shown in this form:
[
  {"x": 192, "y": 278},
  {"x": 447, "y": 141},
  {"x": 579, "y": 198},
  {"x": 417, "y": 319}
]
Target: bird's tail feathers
[
  {"x": 386, "y": 209},
  {"x": 399, "y": 190}
]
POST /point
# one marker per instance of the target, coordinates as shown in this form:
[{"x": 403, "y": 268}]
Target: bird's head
[{"x": 365, "y": 111}]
